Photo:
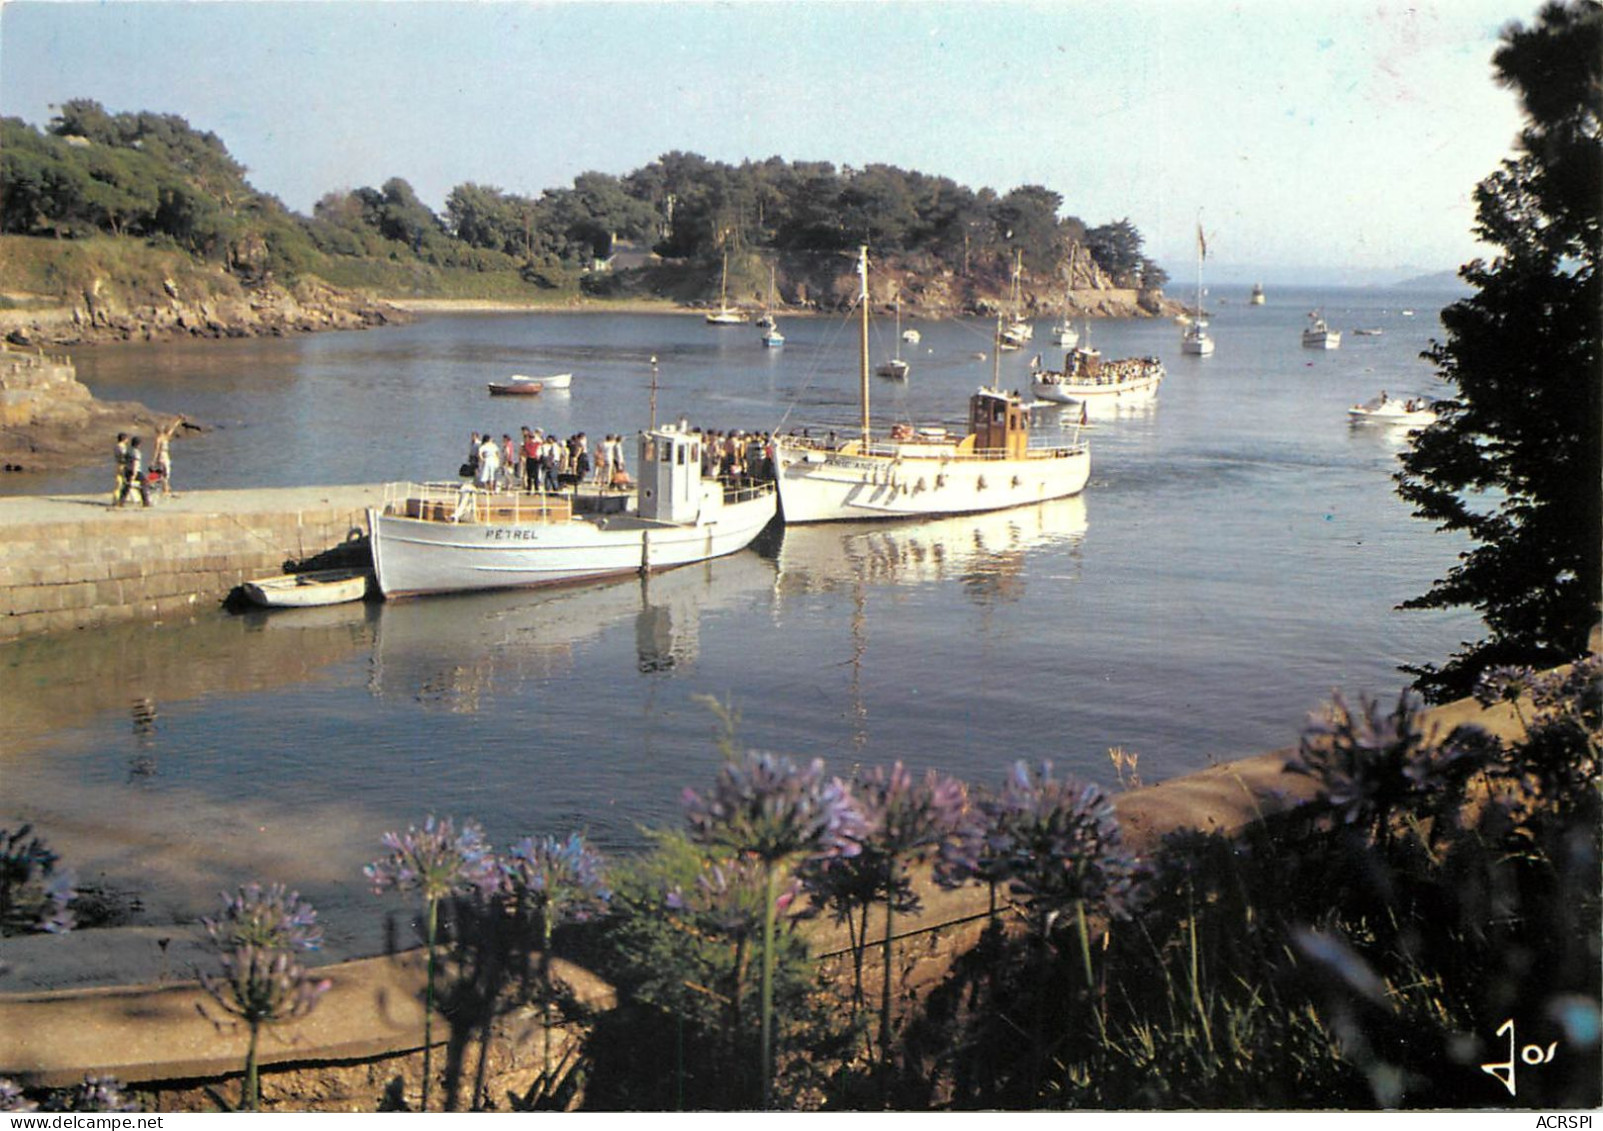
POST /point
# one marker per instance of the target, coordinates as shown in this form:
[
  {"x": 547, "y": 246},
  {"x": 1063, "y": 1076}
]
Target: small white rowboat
[{"x": 302, "y": 590}]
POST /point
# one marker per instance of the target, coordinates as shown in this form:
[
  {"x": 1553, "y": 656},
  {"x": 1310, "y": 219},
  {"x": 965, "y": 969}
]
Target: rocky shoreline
[{"x": 268, "y": 310}]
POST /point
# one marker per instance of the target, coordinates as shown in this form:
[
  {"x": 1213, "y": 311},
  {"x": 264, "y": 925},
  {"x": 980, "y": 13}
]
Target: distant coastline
[{"x": 566, "y": 306}]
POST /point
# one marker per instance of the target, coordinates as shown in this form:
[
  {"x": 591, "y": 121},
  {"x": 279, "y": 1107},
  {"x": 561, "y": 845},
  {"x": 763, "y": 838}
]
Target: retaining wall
[{"x": 78, "y": 563}]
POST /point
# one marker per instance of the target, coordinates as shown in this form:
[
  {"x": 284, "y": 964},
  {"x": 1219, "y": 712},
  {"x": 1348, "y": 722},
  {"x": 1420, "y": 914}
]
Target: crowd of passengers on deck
[
  {"x": 540, "y": 461},
  {"x": 1081, "y": 371}
]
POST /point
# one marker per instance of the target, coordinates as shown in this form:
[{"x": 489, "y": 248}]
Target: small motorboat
[
  {"x": 517, "y": 387},
  {"x": 1411, "y": 412},
  {"x": 305, "y": 590}
]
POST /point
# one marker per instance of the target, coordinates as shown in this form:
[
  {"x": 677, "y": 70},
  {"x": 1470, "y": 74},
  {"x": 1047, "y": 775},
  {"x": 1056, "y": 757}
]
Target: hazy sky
[{"x": 1312, "y": 136}]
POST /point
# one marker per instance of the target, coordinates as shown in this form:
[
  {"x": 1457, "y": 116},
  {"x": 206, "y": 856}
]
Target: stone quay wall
[{"x": 72, "y": 563}]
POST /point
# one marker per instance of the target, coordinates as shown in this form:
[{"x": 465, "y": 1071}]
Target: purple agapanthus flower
[
  {"x": 34, "y": 894},
  {"x": 564, "y": 879},
  {"x": 768, "y": 807},
  {"x": 436, "y": 861},
  {"x": 271, "y": 917},
  {"x": 95, "y": 1094},
  {"x": 262, "y": 985},
  {"x": 727, "y": 898},
  {"x": 1064, "y": 845},
  {"x": 1368, "y": 766},
  {"x": 905, "y": 821},
  {"x": 12, "y": 1100}
]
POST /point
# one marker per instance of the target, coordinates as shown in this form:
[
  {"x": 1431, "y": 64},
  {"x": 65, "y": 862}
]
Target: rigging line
[{"x": 830, "y": 345}]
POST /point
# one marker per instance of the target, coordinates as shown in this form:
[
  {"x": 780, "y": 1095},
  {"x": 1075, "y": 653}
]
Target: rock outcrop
[
  {"x": 102, "y": 313},
  {"x": 48, "y": 420}
]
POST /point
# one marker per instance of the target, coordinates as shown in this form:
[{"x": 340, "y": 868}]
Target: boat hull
[
  {"x": 1093, "y": 395},
  {"x": 307, "y": 590},
  {"x": 829, "y": 486},
  {"x": 416, "y": 556},
  {"x": 1417, "y": 419}
]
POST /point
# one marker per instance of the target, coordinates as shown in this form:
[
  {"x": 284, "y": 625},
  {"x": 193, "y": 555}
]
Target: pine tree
[{"x": 1514, "y": 458}]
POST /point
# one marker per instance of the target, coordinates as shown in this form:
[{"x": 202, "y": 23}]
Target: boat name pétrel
[{"x": 510, "y": 534}]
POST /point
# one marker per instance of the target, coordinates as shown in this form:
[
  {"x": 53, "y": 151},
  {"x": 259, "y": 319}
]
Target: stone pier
[{"x": 71, "y": 562}]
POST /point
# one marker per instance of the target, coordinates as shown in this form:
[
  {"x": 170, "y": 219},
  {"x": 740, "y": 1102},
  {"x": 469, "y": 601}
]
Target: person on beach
[
  {"x": 122, "y": 467},
  {"x": 161, "y": 459},
  {"x": 132, "y": 474}
]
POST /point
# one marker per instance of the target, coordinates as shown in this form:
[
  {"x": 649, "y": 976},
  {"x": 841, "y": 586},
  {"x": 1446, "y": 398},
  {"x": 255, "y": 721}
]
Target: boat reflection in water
[
  {"x": 450, "y": 653},
  {"x": 983, "y": 551}
]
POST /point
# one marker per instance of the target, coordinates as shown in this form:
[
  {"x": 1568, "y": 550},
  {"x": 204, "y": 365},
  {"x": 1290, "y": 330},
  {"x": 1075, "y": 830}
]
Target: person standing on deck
[
  {"x": 489, "y": 466},
  {"x": 529, "y": 460}
]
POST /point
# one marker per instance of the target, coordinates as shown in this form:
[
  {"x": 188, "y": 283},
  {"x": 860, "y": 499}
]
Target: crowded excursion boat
[
  {"x": 1086, "y": 379},
  {"x": 447, "y": 538},
  {"x": 924, "y": 472}
]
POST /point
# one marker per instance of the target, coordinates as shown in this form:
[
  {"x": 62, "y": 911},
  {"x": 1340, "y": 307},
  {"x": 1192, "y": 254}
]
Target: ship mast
[
  {"x": 996, "y": 355},
  {"x": 862, "y": 302}
]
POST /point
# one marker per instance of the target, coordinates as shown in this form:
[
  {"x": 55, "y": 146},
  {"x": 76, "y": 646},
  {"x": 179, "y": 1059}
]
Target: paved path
[{"x": 18, "y": 509}]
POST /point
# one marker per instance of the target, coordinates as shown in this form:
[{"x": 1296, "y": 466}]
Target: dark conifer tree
[{"x": 1513, "y": 460}]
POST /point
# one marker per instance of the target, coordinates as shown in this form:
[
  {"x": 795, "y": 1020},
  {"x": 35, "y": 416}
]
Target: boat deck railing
[
  {"x": 463, "y": 502},
  {"x": 746, "y": 490}
]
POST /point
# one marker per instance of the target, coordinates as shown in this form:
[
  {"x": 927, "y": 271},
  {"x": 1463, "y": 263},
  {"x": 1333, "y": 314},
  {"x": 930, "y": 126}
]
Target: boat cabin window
[
  {"x": 650, "y": 453},
  {"x": 679, "y": 454}
]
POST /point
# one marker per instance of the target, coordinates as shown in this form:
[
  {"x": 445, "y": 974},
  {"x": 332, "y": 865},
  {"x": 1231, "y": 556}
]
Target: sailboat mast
[
  {"x": 996, "y": 356},
  {"x": 1202, "y": 251},
  {"x": 862, "y": 302}
]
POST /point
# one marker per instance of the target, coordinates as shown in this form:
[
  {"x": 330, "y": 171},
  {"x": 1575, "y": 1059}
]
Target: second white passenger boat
[
  {"x": 1086, "y": 379},
  {"x": 446, "y": 538},
  {"x": 923, "y": 473}
]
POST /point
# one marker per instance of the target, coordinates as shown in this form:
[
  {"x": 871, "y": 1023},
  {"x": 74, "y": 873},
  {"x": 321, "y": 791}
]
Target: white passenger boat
[
  {"x": 915, "y": 473},
  {"x": 446, "y": 538},
  {"x": 1087, "y": 379},
  {"x": 309, "y": 589},
  {"x": 1319, "y": 336}
]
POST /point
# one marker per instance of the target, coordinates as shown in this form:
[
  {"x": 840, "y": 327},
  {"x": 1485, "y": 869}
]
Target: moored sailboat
[
  {"x": 922, "y": 473},
  {"x": 1196, "y": 340},
  {"x": 895, "y": 368},
  {"x": 725, "y": 315}
]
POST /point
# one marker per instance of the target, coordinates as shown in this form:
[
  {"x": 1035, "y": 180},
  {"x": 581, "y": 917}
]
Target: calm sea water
[{"x": 1238, "y": 554}]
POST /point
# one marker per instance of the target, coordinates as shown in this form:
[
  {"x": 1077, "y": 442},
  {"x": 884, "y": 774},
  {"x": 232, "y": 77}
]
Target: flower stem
[
  {"x": 432, "y": 922},
  {"x": 885, "y": 994},
  {"x": 252, "y": 1099},
  {"x": 770, "y": 885}
]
